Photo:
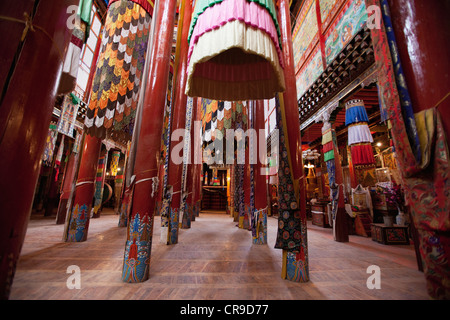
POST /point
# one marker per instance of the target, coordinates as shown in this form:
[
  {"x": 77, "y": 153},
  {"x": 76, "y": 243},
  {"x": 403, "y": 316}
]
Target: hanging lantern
[{"x": 235, "y": 51}]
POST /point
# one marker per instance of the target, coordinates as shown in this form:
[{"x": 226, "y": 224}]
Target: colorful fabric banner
[
  {"x": 289, "y": 233},
  {"x": 50, "y": 142},
  {"x": 116, "y": 84},
  {"x": 69, "y": 110},
  {"x": 114, "y": 166}
]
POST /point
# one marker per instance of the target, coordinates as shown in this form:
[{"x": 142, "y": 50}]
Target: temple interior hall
[{"x": 218, "y": 150}]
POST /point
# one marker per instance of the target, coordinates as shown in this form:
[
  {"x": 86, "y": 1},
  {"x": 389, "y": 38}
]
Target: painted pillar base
[
  {"x": 137, "y": 254},
  {"x": 295, "y": 267},
  {"x": 173, "y": 225},
  {"x": 186, "y": 220},
  {"x": 169, "y": 223},
  {"x": 260, "y": 232},
  {"x": 79, "y": 223}
]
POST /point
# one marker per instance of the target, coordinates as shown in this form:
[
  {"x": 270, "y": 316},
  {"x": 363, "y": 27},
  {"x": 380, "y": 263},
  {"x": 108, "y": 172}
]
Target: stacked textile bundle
[
  {"x": 327, "y": 143},
  {"x": 234, "y": 50},
  {"x": 359, "y": 137}
]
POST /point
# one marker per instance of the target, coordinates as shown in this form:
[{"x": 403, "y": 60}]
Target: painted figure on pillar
[
  {"x": 137, "y": 249},
  {"x": 259, "y": 228},
  {"x": 79, "y": 223}
]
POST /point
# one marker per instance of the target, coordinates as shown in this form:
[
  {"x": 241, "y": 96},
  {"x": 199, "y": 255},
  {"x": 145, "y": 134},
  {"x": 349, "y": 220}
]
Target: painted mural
[
  {"x": 306, "y": 33},
  {"x": 346, "y": 25},
  {"x": 328, "y": 9},
  {"x": 310, "y": 73}
]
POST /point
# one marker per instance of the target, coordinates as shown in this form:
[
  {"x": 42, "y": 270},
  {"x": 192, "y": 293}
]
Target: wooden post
[
  {"x": 140, "y": 225},
  {"x": 29, "y": 76},
  {"x": 77, "y": 225},
  {"x": 294, "y": 137},
  {"x": 259, "y": 230},
  {"x": 170, "y": 219}
]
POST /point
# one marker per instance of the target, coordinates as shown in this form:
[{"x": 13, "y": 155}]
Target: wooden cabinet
[
  {"x": 319, "y": 214},
  {"x": 389, "y": 235}
]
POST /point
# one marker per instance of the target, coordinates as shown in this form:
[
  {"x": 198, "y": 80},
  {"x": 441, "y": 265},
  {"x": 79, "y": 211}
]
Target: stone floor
[{"x": 214, "y": 260}]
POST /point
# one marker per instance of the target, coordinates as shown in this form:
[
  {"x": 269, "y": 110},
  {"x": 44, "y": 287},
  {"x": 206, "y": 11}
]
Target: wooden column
[
  {"x": 69, "y": 175},
  {"x": 191, "y": 173},
  {"x": 140, "y": 225},
  {"x": 244, "y": 220},
  {"x": 340, "y": 228},
  {"x": 175, "y": 171},
  {"x": 77, "y": 225},
  {"x": 424, "y": 28},
  {"x": 29, "y": 77},
  {"x": 294, "y": 137},
  {"x": 259, "y": 230}
]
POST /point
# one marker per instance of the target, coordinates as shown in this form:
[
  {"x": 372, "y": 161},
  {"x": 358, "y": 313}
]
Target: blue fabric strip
[
  {"x": 356, "y": 114},
  {"x": 405, "y": 100}
]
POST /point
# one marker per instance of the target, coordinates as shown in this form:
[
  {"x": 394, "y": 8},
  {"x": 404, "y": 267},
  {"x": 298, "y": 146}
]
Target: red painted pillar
[
  {"x": 66, "y": 188},
  {"x": 340, "y": 229},
  {"x": 260, "y": 225},
  {"x": 244, "y": 221},
  {"x": 77, "y": 225},
  {"x": 140, "y": 225},
  {"x": 198, "y": 183},
  {"x": 422, "y": 30},
  {"x": 191, "y": 169},
  {"x": 295, "y": 144},
  {"x": 290, "y": 101},
  {"x": 28, "y": 82},
  {"x": 175, "y": 170}
]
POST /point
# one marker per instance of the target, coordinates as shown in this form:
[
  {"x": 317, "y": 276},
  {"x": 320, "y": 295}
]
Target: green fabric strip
[
  {"x": 84, "y": 11},
  {"x": 328, "y": 155}
]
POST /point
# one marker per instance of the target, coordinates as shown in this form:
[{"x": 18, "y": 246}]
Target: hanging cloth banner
[
  {"x": 359, "y": 136},
  {"x": 58, "y": 158},
  {"x": 290, "y": 228},
  {"x": 50, "y": 142},
  {"x": 77, "y": 143},
  {"x": 424, "y": 166},
  {"x": 114, "y": 166},
  {"x": 69, "y": 110},
  {"x": 116, "y": 85},
  {"x": 99, "y": 184}
]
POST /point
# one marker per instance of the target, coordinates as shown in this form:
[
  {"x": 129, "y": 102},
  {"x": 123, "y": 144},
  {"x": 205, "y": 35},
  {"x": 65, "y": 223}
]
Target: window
[{"x": 87, "y": 65}]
